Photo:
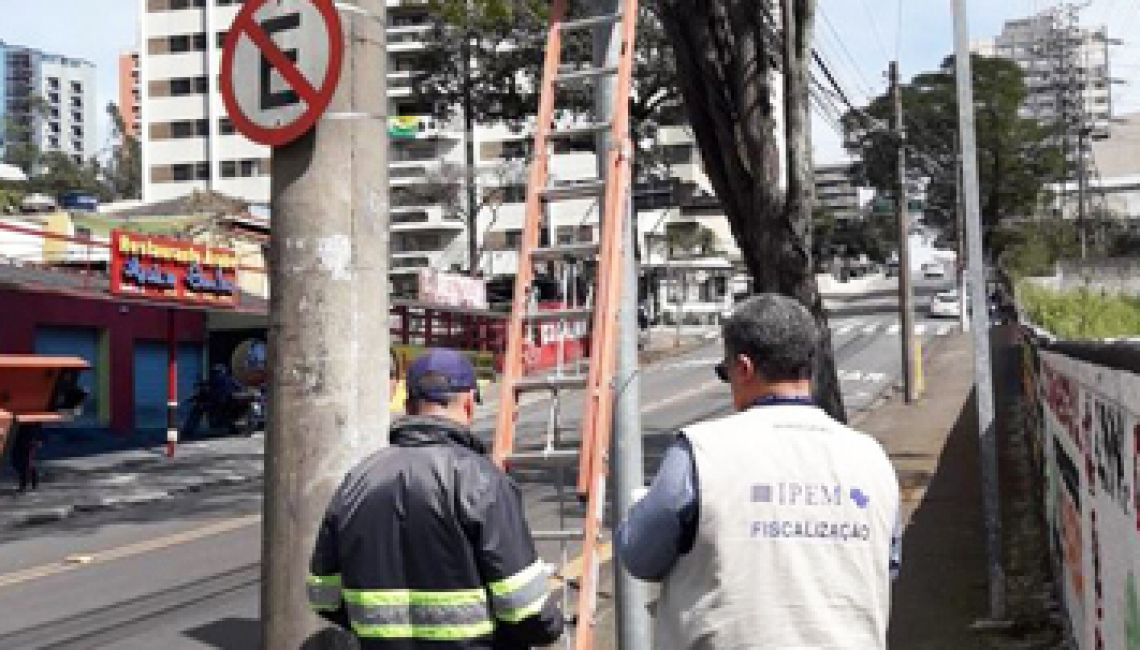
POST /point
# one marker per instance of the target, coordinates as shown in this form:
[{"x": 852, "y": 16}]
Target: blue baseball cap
[{"x": 439, "y": 373}]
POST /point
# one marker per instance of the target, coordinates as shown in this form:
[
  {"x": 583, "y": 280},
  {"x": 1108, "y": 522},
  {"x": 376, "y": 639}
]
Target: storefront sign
[
  {"x": 168, "y": 269},
  {"x": 452, "y": 290}
]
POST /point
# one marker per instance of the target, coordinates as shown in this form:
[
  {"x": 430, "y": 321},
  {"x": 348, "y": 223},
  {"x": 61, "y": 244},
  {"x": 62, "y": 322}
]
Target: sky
[
  {"x": 856, "y": 37},
  {"x": 859, "y": 37}
]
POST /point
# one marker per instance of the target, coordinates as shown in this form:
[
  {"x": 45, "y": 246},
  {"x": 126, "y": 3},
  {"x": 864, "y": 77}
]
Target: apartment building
[
  {"x": 836, "y": 194},
  {"x": 48, "y": 100},
  {"x": 1066, "y": 66},
  {"x": 130, "y": 94},
  {"x": 189, "y": 144}
]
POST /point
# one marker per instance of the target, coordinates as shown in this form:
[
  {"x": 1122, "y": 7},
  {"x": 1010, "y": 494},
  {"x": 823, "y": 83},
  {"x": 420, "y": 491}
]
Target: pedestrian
[
  {"x": 26, "y": 441},
  {"x": 773, "y": 527},
  {"x": 424, "y": 544}
]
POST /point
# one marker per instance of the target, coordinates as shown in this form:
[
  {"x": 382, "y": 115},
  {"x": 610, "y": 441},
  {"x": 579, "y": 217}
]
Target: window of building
[
  {"x": 77, "y": 132},
  {"x": 201, "y": 86},
  {"x": 53, "y": 83},
  {"x": 77, "y": 87},
  {"x": 53, "y": 113},
  {"x": 181, "y": 86},
  {"x": 53, "y": 142},
  {"x": 249, "y": 168},
  {"x": 77, "y": 145},
  {"x": 76, "y": 117},
  {"x": 226, "y": 126},
  {"x": 77, "y": 102},
  {"x": 221, "y": 42},
  {"x": 229, "y": 169},
  {"x": 53, "y": 98},
  {"x": 178, "y": 44}
]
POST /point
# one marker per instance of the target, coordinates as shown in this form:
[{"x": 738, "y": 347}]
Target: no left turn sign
[{"x": 281, "y": 63}]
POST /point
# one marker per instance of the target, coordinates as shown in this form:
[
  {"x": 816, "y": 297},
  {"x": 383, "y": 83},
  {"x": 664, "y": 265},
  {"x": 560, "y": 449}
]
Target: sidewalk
[{"x": 116, "y": 479}]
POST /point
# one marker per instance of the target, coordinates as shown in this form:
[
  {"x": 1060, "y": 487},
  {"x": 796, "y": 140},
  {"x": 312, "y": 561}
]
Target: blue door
[
  {"x": 82, "y": 342},
  {"x": 151, "y": 384}
]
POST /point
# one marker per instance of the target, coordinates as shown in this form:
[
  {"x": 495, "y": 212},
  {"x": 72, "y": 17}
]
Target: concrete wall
[{"x": 1118, "y": 275}]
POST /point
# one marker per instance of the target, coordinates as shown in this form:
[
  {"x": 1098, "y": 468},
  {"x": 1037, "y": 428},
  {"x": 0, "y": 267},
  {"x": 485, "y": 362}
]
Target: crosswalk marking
[
  {"x": 870, "y": 329},
  {"x": 893, "y": 329},
  {"x": 944, "y": 330},
  {"x": 919, "y": 330},
  {"x": 845, "y": 329}
]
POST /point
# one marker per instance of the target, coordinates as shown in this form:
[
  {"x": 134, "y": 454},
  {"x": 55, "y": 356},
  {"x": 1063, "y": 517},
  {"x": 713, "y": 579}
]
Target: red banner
[{"x": 172, "y": 270}]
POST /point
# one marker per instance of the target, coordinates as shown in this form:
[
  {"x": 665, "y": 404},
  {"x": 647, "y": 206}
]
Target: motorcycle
[{"x": 242, "y": 412}]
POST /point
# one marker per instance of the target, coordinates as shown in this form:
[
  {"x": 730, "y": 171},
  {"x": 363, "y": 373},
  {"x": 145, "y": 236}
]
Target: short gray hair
[{"x": 777, "y": 333}]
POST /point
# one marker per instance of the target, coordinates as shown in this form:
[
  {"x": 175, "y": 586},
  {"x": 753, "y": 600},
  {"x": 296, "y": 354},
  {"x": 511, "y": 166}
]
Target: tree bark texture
[{"x": 728, "y": 54}]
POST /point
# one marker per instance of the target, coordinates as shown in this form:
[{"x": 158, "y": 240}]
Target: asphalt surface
[{"x": 183, "y": 574}]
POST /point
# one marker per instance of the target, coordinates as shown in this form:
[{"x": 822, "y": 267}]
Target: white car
[
  {"x": 946, "y": 303},
  {"x": 933, "y": 270}
]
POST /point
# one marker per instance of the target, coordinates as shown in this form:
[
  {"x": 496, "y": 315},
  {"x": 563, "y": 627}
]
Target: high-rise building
[
  {"x": 188, "y": 143},
  {"x": 129, "y": 93},
  {"x": 1066, "y": 66},
  {"x": 836, "y": 194},
  {"x": 48, "y": 101}
]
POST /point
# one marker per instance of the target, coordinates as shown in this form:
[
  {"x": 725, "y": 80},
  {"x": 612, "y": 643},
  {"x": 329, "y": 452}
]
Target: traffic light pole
[
  {"x": 906, "y": 280},
  {"x": 328, "y": 339}
]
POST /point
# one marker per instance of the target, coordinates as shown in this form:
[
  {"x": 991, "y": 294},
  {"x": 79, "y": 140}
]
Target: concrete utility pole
[
  {"x": 328, "y": 340},
  {"x": 469, "y": 157},
  {"x": 983, "y": 379},
  {"x": 631, "y": 595},
  {"x": 906, "y": 280}
]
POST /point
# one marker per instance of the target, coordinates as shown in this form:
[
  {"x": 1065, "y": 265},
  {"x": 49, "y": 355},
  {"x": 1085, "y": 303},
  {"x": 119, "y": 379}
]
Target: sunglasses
[{"x": 721, "y": 371}]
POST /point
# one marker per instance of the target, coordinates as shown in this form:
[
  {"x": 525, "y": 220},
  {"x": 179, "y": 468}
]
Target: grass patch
[{"x": 1081, "y": 314}]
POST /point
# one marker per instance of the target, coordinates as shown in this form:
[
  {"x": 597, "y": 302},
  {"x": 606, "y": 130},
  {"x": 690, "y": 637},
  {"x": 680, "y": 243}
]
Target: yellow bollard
[{"x": 919, "y": 376}]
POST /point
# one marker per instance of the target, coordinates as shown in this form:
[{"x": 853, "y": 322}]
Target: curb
[
  {"x": 52, "y": 514},
  {"x": 891, "y": 390}
]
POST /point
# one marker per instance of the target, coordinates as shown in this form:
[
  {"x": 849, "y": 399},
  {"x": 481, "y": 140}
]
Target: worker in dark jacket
[{"x": 424, "y": 545}]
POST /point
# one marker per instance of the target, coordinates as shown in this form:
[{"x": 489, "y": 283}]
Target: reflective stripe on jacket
[{"x": 425, "y": 542}]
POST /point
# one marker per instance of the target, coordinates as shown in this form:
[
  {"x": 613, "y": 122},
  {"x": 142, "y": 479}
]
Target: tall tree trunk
[{"x": 728, "y": 53}]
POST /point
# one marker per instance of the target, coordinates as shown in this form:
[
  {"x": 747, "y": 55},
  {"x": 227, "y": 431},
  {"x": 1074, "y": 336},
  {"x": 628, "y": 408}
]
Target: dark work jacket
[{"x": 431, "y": 515}]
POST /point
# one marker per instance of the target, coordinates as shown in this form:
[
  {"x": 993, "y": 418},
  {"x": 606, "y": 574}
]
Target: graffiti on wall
[{"x": 1090, "y": 430}]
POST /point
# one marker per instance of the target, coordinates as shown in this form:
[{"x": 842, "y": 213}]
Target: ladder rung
[
  {"x": 565, "y": 251},
  {"x": 558, "y": 535},
  {"x": 592, "y": 21},
  {"x": 568, "y": 191},
  {"x": 542, "y": 457},
  {"x": 585, "y": 73},
  {"x": 555, "y": 382},
  {"x": 586, "y": 128},
  {"x": 580, "y": 313}
]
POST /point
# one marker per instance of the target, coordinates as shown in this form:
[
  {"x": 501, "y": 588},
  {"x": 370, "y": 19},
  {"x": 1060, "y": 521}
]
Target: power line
[{"x": 875, "y": 30}]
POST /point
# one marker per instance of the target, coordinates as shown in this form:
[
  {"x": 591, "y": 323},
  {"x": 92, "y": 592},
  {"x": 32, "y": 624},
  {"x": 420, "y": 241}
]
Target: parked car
[
  {"x": 892, "y": 268},
  {"x": 933, "y": 270},
  {"x": 946, "y": 303}
]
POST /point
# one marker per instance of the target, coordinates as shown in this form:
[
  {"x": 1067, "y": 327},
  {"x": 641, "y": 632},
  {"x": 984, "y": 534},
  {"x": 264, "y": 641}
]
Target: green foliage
[
  {"x": 1080, "y": 314},
  {"x": 1015, "y": 159},
  {"x": 1033, "y": 248},
  {"x": 488, "y": 54},
  {"x": 123, "y": 173}
]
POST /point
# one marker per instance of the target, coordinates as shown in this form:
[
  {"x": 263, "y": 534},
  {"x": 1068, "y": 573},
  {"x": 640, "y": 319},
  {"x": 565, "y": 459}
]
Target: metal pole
[
  {"x": 906, "y": 288},
  {"x": 960, "y": 225},
  {"x": 630, "y": 594},
  {"x": 328, "y": 398},
  {"x": 1082, "y": 191},
  {"x": 469, "y": 159},
  {"x": 983, "y": 380},
  {"x": 171, "y": 384}
]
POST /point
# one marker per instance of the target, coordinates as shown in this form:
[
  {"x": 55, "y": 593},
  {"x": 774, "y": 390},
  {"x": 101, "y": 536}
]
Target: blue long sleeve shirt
[{"x": 663, "y": 525}]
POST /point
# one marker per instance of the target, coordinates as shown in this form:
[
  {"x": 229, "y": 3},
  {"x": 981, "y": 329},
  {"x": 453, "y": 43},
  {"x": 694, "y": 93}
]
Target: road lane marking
[
  {"x": 130, "y": 550},
  {"x": 684, "y": 395},
  {"x": 846, "y": 328},
  {"x": 893, "y": 329},
  {"x": 870, "y": 329}
]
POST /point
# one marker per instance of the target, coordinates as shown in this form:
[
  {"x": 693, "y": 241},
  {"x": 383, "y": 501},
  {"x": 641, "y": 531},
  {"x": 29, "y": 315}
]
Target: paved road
[{"x": 183, "y": 574}]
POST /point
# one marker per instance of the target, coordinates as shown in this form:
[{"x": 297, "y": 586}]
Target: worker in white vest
[{"x": 774, "y": 527}]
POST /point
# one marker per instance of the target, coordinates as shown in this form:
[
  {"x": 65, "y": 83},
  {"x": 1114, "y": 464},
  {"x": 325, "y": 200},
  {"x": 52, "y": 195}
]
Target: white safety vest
[{"x": 793, "y": 540}]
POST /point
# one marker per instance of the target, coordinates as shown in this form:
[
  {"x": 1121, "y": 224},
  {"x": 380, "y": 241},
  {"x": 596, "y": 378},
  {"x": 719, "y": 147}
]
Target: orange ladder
[{"x": 613, "y": 188}]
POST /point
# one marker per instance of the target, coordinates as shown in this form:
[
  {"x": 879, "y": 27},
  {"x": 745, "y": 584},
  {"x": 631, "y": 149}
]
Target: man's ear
[{"x": 746, "y": 367}]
